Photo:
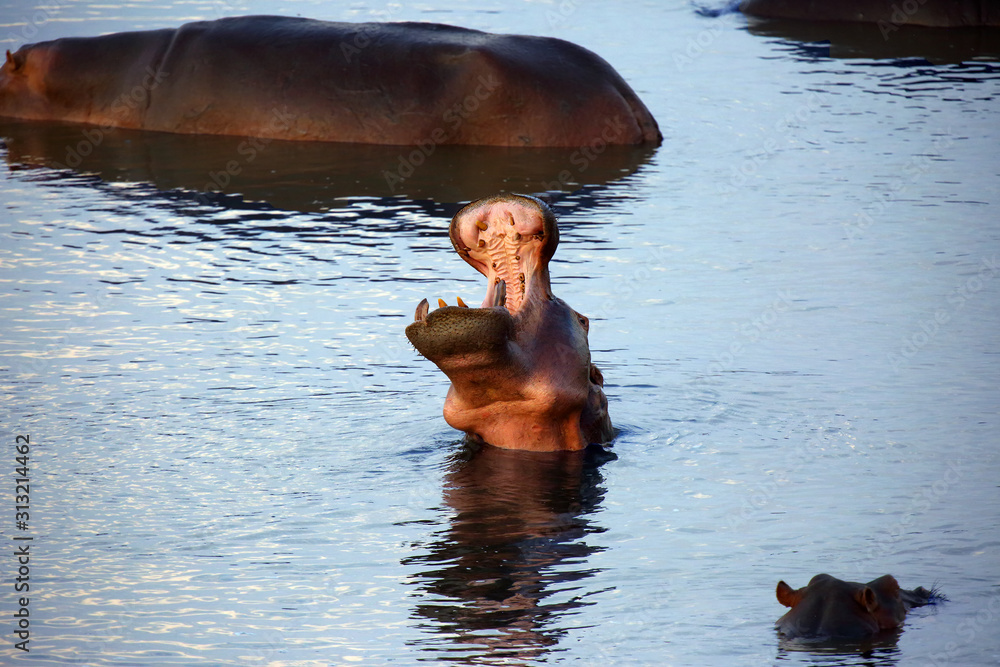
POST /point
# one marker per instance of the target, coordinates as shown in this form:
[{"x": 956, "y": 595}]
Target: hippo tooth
[
  {"x": 441, "y": 303},
  {"x": 483, "y": 226},
  {"x": 422, "y": 309},
  {"x": 461, "y": 304},
  {"x": 481, "y": 244}
]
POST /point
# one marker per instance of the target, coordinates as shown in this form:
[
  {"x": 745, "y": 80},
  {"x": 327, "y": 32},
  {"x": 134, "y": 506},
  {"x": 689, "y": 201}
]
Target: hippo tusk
[
  {"x": 500, "y": 294},
  {"x": 422, "y": 309},
  {"x": 461, "y": 304}
]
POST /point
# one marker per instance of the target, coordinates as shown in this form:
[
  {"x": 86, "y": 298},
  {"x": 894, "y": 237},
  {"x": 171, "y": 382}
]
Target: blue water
[{"x": 238, "y": 459}]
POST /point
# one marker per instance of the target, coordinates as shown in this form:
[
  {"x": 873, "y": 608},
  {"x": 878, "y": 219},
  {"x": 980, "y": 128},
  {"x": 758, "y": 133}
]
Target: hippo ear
[
  {"x": 787, "y": 595},
  {"x": 886, "y": 584},
  {"x": 866, "y": 598},
  {"x": 14, "y": 61}
]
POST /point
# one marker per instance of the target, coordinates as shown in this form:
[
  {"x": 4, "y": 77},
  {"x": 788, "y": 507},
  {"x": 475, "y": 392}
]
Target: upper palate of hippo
[{"x": 514, "y": 258}]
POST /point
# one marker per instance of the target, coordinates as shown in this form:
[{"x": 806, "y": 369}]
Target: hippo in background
[
  {"x": 829, "y": 609},
  {"x": 290, "y": 78},
  {"x": 520, "y": 369},
  {"x": 891, "y": 13}
]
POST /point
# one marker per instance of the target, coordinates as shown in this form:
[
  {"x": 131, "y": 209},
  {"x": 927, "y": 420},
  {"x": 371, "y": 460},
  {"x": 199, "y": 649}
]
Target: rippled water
[{"x": 237, "y": 458}]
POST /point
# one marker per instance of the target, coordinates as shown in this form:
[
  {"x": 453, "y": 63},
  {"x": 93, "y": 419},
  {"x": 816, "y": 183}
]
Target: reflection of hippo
[
  {"x": 829, "y": 608},
  {"x": 890, "y": 13},
  {"x": 293, "y": 78},
  {"x": 520, "y": 369},
  {"x": 517, "y": 539}
]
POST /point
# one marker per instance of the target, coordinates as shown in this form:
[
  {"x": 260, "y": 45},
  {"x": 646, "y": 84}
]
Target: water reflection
[
  {"x": 311, "y": 176},
  {"x": 880, "y": 651},
  {"x": 834, "y": 39},
  {"x": 507, "y": 570}
]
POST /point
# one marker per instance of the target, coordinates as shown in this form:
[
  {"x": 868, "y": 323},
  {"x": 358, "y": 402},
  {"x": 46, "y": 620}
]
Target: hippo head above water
[
  {"x": 520, "y": 370},
  {"x": 831, "y": 609}
]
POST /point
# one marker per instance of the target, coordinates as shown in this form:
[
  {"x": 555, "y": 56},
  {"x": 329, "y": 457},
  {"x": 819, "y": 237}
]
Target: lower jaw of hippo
[{"x": 451, "y": 335}]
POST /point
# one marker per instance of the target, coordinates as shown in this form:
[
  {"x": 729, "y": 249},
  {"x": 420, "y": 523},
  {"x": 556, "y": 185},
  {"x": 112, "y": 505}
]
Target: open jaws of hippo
[{"x": 520, "y": 370}]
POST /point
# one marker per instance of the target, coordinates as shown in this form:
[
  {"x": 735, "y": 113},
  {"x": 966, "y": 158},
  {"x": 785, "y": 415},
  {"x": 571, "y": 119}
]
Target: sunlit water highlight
[{"x": 237, "y": 458}]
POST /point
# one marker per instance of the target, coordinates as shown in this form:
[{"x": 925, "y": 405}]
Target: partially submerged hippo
[
  {"x": 889, "y": 13},
  {"x": 831, "y": 609},
  {"x": 291, "y": 78},
  {"x": 520, "y": 370}
]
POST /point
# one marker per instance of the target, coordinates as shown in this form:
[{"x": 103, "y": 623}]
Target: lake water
[{"x": 236, "y": 458}]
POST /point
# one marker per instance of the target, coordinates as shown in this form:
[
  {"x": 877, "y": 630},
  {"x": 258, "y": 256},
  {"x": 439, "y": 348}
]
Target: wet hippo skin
[
  {"x": 301, "y": 79},
  {"x": 932, "y": 13},
  {"x": 520, "y": 369},
  {"x": 830, "y": 609}
]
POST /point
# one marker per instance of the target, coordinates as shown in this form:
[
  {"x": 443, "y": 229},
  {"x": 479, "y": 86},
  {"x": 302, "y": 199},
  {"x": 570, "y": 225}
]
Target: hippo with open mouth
[{"x": 520, "y": 370}]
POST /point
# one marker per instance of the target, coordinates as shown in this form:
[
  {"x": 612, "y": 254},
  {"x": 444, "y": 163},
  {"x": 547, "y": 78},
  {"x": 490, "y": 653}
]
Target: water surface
[{"x": 237, "y": 458}]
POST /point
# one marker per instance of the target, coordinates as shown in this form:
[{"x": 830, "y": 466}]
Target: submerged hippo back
[
  {"x": 300, "y": 79},
  {"x": 390, "y": 83}
]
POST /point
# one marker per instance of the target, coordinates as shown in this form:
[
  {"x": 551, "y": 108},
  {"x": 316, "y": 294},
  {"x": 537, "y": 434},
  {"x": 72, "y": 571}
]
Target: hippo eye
[{"x": 584, "y": 322}]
